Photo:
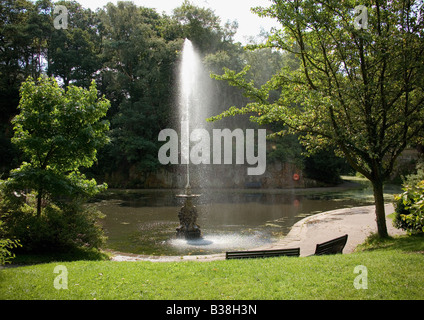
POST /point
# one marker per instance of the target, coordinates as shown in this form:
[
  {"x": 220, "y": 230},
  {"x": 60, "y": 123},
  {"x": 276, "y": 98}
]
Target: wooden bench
[
  {"x": 331, "y": 247},
  {"x": 262, "y": 253}
]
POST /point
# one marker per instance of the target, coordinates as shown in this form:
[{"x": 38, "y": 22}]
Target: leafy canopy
[
  {"x": 58, "y": 132},
  {"x": 57, "y": 129},
  {"x": 359, "y": 89}
]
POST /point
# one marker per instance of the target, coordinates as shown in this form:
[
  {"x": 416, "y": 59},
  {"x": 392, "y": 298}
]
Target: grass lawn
[{"x": 395, "y": 270}]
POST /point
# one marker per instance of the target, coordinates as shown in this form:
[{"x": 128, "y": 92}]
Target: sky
[{"x": 249, "y": 23}]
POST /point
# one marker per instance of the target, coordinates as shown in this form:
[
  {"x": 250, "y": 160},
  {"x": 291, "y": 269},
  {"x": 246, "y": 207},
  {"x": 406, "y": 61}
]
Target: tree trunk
[{"x": 379, "y": 208}]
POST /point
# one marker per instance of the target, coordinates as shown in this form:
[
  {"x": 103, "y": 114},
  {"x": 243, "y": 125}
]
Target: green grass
[{"x": 395, "y": 271}]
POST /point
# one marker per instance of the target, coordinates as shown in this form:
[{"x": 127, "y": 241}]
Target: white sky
[{"x": 249, "y": 23}]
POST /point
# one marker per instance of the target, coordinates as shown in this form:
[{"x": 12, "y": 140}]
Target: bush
[
  {"x": 6, "y": 245},
  {"x": 60, "y": 227},
  {"x": 409, "y": 208},
  {"x": 416, "y": 177}
]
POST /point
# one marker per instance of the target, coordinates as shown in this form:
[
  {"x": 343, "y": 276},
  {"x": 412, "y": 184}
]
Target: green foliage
[
  {"x": 6, "y": 246},
  {"x": 415, "y": 178},
  {"x": 57, "y": 129},
  {"x": 74, "y": 54},
  {"x": 203, "y": 27},
  {"x": 409, "y": 205},
  {"x": 285, "y": 149},
  {"x": 25, "y": 27},
  {"x": 60, "y": 228},
  {"x": 137, "y": 74},
  {"x": 349, "y": 89},
  {"x": 58, "y": 132},
  {"x": 55, "y": 186},
  {"x": 325, "y": 166}
]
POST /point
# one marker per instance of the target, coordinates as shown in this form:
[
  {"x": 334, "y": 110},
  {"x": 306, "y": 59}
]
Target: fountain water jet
[{"x": 188, "y": 214}]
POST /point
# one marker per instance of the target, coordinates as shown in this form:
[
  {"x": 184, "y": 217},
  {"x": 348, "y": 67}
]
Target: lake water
[{"x": 144, "y": 221}]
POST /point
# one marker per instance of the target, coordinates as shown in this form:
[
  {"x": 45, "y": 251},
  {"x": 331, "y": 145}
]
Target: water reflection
[{"x": 144, "y": 221}]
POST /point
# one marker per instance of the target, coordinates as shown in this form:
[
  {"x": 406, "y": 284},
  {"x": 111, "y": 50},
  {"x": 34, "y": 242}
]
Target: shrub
[
  {"x": 6, "y": 245},
  {"x": 409, "y": 208},
  {"x": 60, "y": 227},
  {"x": 416, "y": 177}
]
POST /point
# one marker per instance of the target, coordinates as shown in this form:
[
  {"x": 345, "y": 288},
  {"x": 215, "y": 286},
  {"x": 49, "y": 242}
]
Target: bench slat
[{"x": 262, "y": 253}]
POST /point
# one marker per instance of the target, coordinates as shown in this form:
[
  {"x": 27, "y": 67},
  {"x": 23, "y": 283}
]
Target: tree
[
  {"x": 203, "y": 28},
  {"x": 74, "y": 53},
  {"x": 358, "y": 88},
  {"x": 138, "y": 72},
  {"x": 24, "y": 31},
  {"x": 59, "y": 132}
]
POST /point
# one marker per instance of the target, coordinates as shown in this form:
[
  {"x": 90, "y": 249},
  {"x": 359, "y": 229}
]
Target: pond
[{"x": 144, "y": 221}]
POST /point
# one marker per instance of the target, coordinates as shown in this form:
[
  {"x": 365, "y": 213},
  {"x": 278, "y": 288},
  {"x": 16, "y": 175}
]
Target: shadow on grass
[
  {"x": 407, "y": 243},
  {"x": 24, "y": 258}
]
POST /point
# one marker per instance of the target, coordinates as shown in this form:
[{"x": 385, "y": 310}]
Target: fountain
[
  {"x": 188, "y": 79},
  {"x": 188, "y": 214}
]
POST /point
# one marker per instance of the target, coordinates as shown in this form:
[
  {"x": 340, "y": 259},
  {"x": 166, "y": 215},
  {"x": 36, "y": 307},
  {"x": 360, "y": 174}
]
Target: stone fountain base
[{"x": 188, "y": 228}]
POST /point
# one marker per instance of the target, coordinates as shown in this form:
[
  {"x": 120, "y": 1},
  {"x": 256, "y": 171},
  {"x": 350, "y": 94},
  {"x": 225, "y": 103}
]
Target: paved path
[{"x": 358, "y": 223}]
